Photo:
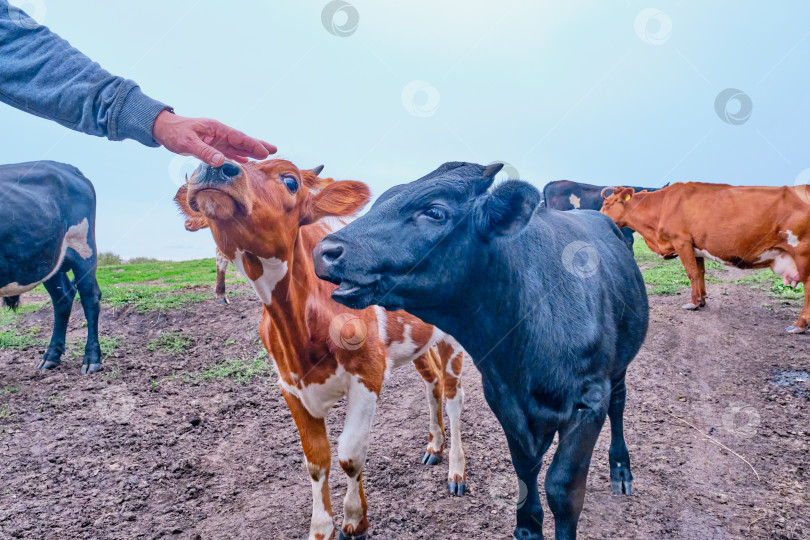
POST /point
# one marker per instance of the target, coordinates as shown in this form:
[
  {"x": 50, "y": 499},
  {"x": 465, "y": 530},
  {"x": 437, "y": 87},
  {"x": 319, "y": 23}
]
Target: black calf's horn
[{"x": 605, "y": 189}]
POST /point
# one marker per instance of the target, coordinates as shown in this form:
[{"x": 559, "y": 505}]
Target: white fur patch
[
  {"x": 321, "y": 524},
  {"x": 457, "y": 461},
  {"x": 76, "y": 239},
  {"x": 274, "y": 271},
  {"x": 707, "y": 255},
  {"x": 574, "y": 200},
  {"x": 768, "y": 255},
  {"x": 353, "y": 446},
  {"x": 319, "y": 398},
  {"x": 437, "y": 439},
  {"x": 792, "y": 239}
]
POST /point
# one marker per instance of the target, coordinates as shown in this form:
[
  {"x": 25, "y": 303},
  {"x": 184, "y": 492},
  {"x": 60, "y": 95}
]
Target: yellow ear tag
[{"x": 627, "y": 198}]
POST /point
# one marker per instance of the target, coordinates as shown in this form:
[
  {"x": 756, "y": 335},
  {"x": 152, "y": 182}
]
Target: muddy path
[{"x": 153, "y": 447}]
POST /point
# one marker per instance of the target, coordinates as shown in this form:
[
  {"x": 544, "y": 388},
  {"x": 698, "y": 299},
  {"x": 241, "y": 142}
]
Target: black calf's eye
[
  {"x": 435, "y": 213},
  {"x": 291, "y": 182}
]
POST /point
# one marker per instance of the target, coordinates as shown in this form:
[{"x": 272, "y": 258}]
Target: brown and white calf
[{"x": 266, "y": 217}]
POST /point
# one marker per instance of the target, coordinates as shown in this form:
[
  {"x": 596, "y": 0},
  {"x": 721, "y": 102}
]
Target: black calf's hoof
[
  {"x": 347, "y": 536},
  {"x": 90, "y": 368},
  {"x": 622, "y": 486},
  {"x": 457, "y": 488},
  {"x": 431, "y": 459},
  {"x": 525, "y": 534},
  {"x": 49, "y": 364}
]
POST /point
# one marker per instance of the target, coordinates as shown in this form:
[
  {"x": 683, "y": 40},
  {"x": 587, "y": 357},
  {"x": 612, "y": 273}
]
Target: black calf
[{"x": 550, "y": 305}]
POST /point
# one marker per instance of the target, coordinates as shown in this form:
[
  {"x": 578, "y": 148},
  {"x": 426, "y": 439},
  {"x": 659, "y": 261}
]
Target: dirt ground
[{"x": 128, "y": 454}]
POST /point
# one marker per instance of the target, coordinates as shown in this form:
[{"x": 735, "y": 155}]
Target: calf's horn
[{"x": 316, "y": 170}]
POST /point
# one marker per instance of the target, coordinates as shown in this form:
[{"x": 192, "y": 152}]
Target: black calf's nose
[
  {"x": 329, "y": 252},
  {"x": 229, "y": 170}
]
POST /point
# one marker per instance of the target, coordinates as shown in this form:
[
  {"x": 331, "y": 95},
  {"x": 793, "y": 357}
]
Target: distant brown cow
[
  {"x": 746, "y": 227},
  {"x": 222, "y": 266}
]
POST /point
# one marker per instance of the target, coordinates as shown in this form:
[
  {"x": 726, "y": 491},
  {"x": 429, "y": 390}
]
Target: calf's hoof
[
  {"x": 522, "y": 533},
  {"x": 350, "y": 536},
  {"x": 690, "y": 306},
  {"x": 457, "y": 489},
  {"x": 622, "y": 486},
  {"x": 91, "y": 368},
  {"x": 49, "y": 363},
  {"x": 431, "y": 459},
  {"x": 795, "y": 330},
  {"x": 222, "y": 301}
]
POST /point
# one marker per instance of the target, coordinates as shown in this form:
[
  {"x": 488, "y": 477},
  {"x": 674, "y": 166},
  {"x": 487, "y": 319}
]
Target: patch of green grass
[
  {"x": 107, "y": 344},
  {"x": 240, "y": 370},
  {"x": 111, "y": 372},
  {"x": 669, "y": 277},
  {"x": 10, "y": 339},
  {"x": 8, "y": 390},
  {"x": 766, "y": 280},
  {"x": 5, "y": 411},
  {"x": 170, "y": 342},
  {"x": 188, "y": 273}
]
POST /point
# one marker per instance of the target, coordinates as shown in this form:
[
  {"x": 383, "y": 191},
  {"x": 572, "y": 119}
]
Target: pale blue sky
[{"x": 577, "y": 90}]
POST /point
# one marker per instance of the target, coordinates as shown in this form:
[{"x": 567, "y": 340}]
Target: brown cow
[
  {"x": 746, "y": 227},
  {"x": 266, "y": 218}
]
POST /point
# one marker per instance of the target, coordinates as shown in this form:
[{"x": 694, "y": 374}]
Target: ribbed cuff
[{"x": 136, "y": 118}]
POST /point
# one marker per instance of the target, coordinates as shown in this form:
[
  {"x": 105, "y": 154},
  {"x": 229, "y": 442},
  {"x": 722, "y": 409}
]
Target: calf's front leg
[
  {"x": 318, "y": 459},
  {"x": 352, "y": 451}
]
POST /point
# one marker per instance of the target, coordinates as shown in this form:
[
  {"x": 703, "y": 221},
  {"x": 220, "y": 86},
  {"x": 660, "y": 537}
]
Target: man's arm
[{"x": 42, "y": 74}]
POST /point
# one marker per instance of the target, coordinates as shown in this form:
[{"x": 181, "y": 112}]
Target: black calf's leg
[
  {"x": 567, "y": 476},
  {"x": 529, "y": 509},
  {"x": 62, "y": 294},
  {"x": 621, "y": 479},
  {"x": 91, "y": 296}
]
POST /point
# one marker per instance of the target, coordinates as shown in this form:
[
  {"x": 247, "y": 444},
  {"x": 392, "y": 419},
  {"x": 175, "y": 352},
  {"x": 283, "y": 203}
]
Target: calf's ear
[
  {"x": 507, "y": 209},
  {"x": 336, "y": 199},
  {"x": 624, "y": 193},
  {"x": 194, "y": 220}
]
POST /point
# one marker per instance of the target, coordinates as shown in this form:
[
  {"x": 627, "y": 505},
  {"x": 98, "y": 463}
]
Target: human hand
[{"x": 207, "y": 140}]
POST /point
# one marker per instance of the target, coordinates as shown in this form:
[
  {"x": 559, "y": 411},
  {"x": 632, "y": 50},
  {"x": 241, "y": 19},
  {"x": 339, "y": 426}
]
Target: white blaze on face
[
  {"x": 273, "y": 271},
  {"x": 76, "y": 239},
  {"x": 574, "y": 200}
]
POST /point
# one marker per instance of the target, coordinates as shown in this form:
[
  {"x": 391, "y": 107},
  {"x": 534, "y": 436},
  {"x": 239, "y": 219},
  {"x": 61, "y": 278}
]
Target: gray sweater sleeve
[{"x": 40, "y": 73}]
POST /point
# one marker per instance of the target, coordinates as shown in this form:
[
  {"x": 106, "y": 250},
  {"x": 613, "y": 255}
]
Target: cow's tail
[{"x": 12, "y": 302}]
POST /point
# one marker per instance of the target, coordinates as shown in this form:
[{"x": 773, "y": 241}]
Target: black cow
[
  {"x": 568, "y": 195},
  {"x": 48, "y": 229},
  {"x": 549, "y": 304}
]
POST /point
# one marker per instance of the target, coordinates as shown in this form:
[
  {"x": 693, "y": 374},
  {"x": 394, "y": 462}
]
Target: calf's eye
[
  {"x": 291, "y": 182},
  {"x": 435, "y": 213}
]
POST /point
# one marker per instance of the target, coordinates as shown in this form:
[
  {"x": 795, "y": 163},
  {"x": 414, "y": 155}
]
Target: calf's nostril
[
  {"x": 229, "y": 170},
  {"x": 331, "y": 252}
]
